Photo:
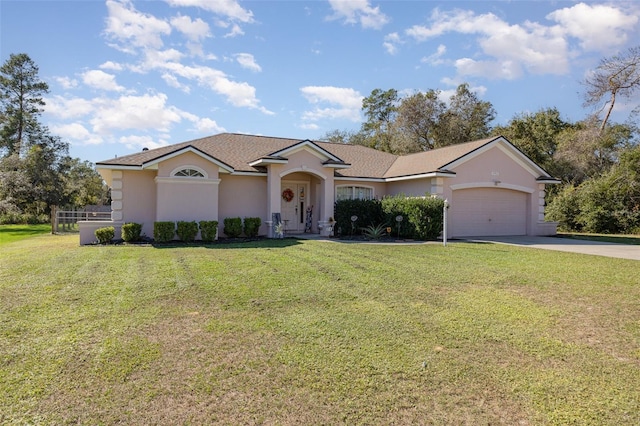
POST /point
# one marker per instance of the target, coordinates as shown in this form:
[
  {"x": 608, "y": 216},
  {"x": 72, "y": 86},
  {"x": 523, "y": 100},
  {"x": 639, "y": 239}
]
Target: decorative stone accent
[{"x": 116, "y": 196}]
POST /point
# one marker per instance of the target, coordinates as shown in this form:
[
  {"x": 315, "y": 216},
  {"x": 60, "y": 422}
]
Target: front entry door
[{"x": 293, "y": 211}]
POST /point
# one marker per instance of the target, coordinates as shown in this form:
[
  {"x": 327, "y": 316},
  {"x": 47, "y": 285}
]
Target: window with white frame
[
  {"x": 354, "y": 193},
  {"x": 188, "y": 172}
]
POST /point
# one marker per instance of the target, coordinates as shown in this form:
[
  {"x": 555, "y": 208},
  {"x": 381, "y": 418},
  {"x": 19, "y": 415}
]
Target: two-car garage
[{"x": 488, "y": 211}]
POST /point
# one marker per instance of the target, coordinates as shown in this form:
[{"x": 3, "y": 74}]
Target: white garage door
[{"x": 488, "y": 211}]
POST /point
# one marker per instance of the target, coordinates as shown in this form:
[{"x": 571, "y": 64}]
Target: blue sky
[{"x": 124, "y": 75}]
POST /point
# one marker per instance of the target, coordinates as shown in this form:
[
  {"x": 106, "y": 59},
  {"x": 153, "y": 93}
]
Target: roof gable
[
  {"x": 248, "y": 154},
  {"x": 153, "y": 164},
  {"x": 505, "y": 146},
  {"x": 308, "y": 146}
]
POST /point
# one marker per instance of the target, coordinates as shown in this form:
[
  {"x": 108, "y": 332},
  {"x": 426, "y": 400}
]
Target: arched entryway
[
  {"x": 296, "y": 204},
  {"x": 301, "y": 201}
]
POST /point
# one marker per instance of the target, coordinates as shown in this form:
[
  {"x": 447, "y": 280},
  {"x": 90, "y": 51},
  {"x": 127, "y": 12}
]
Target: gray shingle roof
[{"x": 238, "y": 150}]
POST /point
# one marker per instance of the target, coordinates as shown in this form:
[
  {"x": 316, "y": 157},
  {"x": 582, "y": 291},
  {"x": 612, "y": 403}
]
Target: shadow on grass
[
  {"x": 232, "y": 244},
  {"x": 24, "y": 230}
]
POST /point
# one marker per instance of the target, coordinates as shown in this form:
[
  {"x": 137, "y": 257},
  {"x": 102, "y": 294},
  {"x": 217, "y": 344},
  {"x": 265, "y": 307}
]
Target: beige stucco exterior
[{"x": 152, "y": 192}]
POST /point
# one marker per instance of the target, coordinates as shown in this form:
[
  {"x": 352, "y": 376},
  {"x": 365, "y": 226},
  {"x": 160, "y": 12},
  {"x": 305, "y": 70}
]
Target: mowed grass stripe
[{"x": 316, "y": 333}]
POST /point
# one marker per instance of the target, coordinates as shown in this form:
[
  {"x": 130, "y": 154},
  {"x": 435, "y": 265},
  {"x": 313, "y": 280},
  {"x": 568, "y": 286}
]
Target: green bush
[
  {"x": 187, "y": 231},
  {"x": 105, "y": 235},
  {"x": 163, "y": 231},
  {"x": 15, "y": 218},
  {"x": 208, "y": 230},
  {"x": 232, "y": 227},
  {"x": 131, "y": 232},
  {"x": 252, "y": 226},
  {"x": 369, "y": 213},
  {"x": 565, "y": 209},
  {"x": 422, "y": 216}
]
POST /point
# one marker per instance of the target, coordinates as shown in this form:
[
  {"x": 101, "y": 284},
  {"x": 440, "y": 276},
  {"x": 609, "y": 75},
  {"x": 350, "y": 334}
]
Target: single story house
[{"x": 491, "y": 186}]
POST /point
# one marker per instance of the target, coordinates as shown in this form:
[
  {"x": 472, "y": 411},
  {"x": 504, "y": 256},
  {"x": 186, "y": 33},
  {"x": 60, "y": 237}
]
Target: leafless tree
[{"x": 617, "y": 76}]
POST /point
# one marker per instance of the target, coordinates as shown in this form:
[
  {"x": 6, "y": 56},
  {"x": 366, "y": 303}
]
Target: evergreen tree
[{"x": 21, "y": 103}]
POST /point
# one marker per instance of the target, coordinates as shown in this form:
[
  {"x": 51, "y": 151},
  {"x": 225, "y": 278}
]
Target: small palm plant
[
  {"x": 374, "y": 232},
  {"x": 279, "y": 230}
]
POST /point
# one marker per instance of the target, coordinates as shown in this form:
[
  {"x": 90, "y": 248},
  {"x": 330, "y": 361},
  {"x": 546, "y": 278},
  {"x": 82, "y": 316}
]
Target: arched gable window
[{"x": 189, "y": 171}]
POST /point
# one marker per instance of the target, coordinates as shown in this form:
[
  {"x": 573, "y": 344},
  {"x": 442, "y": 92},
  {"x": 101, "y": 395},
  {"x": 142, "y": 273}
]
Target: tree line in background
[
  {"x": 597, "y": 161},
  {"x": 36, "y": 171}
]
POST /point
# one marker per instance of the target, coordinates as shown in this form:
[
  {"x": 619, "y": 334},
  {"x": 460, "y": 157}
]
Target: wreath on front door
[{"x": 287, "y": 195}]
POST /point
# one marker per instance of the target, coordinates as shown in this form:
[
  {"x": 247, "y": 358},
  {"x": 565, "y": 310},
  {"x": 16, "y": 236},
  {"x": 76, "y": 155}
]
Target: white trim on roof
[
  {"x": 336, "y": 166},
  {"x": 509, "y": 149},
  {"x": 309, "y": 146},
  {"x": 117, "y": 167},
  {"x": 153, "y": 164},
  {"x": 421, "y": 176},
  {"x": 358, "y": 179},
  {"x": 550, "y": 180},
  {"x": 263, "y": 161}
]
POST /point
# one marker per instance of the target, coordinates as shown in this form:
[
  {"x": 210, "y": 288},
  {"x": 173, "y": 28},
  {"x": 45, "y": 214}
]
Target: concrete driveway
[{"x": 622, "y": 251}]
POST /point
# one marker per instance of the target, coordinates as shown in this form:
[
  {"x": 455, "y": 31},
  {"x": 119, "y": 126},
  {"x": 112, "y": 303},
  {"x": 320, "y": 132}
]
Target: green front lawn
[
  {"x": 313, "y": 332},
  {"x": 10, "y": 233},
  {"x": 607, "y": 238}
]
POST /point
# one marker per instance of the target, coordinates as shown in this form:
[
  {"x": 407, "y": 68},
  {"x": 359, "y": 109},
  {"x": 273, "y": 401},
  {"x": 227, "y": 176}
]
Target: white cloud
[
  {"x": 348, "y": 103},
  {"x": 358, "y": 11},
  {"x": 112, "y": 66},
  {"x": 230, "y": 9},
  {"x": 391, "y": 42},
  {"x": 66, "y": 82},
  {"x": 173, "y": 81},
  {"x": 207, "y": 125},
  {"x": 101, "y": 80},
  {"x": 235, "y": 31},
  {"x": 132, "y": 29},
  {"x": 238, "y": 94},
  {"x": 66, "y": 108},
  {"x": 137, "y": 142},
  {"x": 599, "y": 27},
  {"x": 445, "y": 95},
  {"x": 133, "y": 113},
  {"x": 435, "y": 58},
  {"x": 157, "y": 59},
  {"x": 76, "y": 133},
  {"x": 309, "y": 126},
  {"x": 246, "y": 60},
  {"x": 194, "y": 30},
  {"x": 511, "y": 48}
]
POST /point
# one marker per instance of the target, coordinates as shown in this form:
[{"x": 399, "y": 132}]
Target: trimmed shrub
[
  {"x": 163, "y": 231},
  {"x": 232, "y": 227},
  {"x": 369, "y": 213},
  {"x": 422, "y": 216},
  {"x": 105, "y": 235},
  {"x": 131, "y": 232},
  {"x": 208, "y": 230},
  {"x": 187, "y": 231},
  {"x": 252, "y": 226}
]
